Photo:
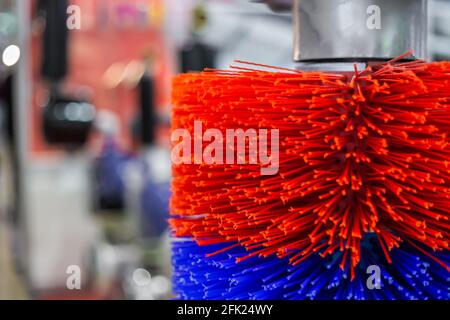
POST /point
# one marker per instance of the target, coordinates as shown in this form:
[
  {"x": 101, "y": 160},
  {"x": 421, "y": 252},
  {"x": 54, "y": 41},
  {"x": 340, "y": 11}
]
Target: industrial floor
[{"x": 11, "y": 286}]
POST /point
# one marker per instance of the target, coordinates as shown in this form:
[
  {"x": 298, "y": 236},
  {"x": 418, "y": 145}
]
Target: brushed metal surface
[{"x": 338, "y": 29}]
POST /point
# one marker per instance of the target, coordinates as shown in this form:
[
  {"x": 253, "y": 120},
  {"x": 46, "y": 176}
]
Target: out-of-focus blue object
[
  {"x": 148, "y": 191},
  {"x": 109, "y": 175},
  {"x": 155, "y": 208},
  {"x": 411, "y": 275}
]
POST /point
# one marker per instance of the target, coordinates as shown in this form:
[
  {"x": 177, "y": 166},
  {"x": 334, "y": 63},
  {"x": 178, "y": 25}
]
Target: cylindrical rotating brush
[{"x": 292, "y": 184}]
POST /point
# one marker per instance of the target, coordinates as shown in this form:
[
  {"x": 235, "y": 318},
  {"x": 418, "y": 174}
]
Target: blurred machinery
[
  {"x": 196, "y": 55},
  {"x": 439, "y": 36},
  {"x": 67, "y": 120},
  {"x": 11, "y": 285},
  {"x": 9, "y": 51},
  {"x": 131, "y": 200}
]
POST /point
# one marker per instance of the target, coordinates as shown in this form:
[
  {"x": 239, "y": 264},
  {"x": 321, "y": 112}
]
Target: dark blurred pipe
[
  {"x": 148, "y": 119},
  {"x": 55, "y": 40},
  {"x": 277, "y": 5}
]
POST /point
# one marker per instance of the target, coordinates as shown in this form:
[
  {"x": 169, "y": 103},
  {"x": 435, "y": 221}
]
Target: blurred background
[{"x": 84, "y": 132}]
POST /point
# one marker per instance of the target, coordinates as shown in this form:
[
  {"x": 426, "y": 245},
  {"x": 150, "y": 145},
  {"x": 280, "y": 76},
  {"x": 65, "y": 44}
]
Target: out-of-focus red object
[
  {"x": 112, "y": 31},
  {"x": 362, "y": 153}
]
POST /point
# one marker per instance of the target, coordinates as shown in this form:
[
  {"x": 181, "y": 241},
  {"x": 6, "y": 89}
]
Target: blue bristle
[{"x": 411, "y": 275}]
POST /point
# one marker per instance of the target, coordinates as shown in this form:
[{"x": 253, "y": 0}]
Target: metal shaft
[{"x": 364, "y": 30}]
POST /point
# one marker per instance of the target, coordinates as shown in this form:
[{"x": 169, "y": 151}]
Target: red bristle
[{"x": 358, "y": 154}]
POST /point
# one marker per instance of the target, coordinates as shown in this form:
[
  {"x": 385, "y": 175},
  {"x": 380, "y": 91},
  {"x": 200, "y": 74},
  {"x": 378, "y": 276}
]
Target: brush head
[{"x": 365, "y": 153}]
